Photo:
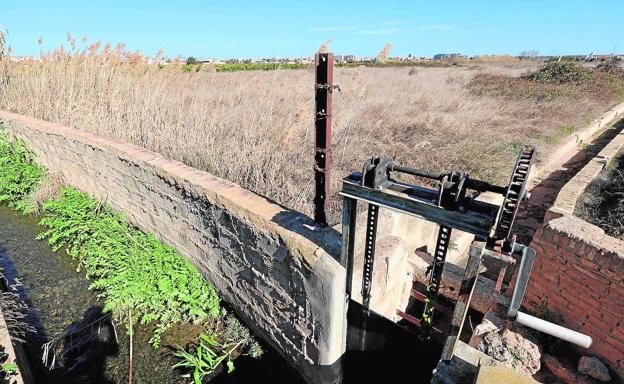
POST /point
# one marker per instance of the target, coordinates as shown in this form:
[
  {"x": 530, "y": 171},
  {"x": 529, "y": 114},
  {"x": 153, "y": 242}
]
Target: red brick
[
  {"x": 582, "y": 271},
  {"x": 618, "y": 332},
  {"x": 580, "y": 302},
  {"x": 614, "y": 319},
  {"x": 545, "y": 283},
  {"x": 557, "y": 304},
  {"x": 590, "y": 264},
  {"x": 614, "y": 343}
]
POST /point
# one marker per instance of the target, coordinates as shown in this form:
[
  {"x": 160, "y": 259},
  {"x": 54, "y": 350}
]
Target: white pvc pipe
[{"x": 554, "y": 330}]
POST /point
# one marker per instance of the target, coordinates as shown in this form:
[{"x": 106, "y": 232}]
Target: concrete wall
[
  {"x": 579, "y": 271},
  {"x": 281, "y": 277}
]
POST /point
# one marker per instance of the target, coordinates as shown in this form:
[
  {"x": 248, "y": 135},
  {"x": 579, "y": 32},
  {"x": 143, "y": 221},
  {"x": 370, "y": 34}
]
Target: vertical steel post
[
  {"x": 349, "y": 219},
  {"x": 322, "y": 133}
]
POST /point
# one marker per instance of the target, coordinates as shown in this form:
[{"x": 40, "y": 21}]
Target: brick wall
[
  {"x": 579, "y": 273},
  {"x": 281, "y": 277}
]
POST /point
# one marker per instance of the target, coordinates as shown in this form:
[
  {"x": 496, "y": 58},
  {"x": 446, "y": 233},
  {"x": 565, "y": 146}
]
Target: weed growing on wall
[{"x": 19, "y": 173}]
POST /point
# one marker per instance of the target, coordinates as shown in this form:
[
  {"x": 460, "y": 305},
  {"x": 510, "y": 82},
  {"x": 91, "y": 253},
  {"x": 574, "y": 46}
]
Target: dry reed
[{"x": 256, "y": 128}]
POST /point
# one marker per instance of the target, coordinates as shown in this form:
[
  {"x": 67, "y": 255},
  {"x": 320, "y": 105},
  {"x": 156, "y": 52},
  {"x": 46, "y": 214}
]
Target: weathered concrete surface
[
  {"x": 502, "y": 375},
  {"x": 392, "y": 273},
  {"x": 281, "y": 277},
  {"x": 463, "y": 367}
]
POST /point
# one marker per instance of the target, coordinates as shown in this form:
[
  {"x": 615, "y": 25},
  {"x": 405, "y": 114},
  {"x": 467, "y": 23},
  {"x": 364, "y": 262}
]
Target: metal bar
[
  {"x": 522, "y": 280},
  {"x": 473, "y": 184},
  {"x": 367, "y": 269},
  {"x": 470, "y": 207},
  {"x": 439, "y": 307},
  {"x": 478, "y": 224},
  {"x": 322, "y": 134},
  {"x": 471, "y": 273},
  {"x": 349, "y": 219},
  {"x": 435, "y": 277},
  {"x": 414, "y": 320}
]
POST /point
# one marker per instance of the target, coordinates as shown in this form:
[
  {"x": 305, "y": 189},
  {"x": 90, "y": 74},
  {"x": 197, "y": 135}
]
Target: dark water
[{"x": 60, "y": 298}]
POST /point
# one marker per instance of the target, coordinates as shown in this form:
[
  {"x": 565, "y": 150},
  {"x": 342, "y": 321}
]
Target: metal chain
[
  {"x": 369, "y": 255},
  {"x": 435, "y": 278}
]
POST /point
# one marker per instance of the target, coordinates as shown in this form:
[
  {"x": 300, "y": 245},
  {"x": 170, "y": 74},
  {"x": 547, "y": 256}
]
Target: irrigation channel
[{"x": 59, "y": 300}]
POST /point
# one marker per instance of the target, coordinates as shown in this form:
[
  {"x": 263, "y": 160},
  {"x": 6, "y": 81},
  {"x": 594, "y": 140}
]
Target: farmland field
[{"x": 256, "y": 127}]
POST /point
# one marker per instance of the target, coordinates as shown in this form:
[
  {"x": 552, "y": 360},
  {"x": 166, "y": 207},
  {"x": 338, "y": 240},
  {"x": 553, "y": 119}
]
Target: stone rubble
[
  {"x": 513, "y": 347},
  {"x": 564, "y": 373},
  {"x": 593, "y": 367}
]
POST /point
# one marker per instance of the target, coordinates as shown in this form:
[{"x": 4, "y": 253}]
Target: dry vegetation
[
  {"x": 602, "y": 203},
  {"x": 256, "y": 128}
]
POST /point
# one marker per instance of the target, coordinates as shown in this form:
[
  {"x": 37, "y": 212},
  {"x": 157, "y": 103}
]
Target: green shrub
[
  {"x": 212, "y": 349},
  {"x": 132, "y": 271},
  {"x": 234, "y": 67},
  {"x": 19, "y": 173},
  {"x": 560, "y": 73}
]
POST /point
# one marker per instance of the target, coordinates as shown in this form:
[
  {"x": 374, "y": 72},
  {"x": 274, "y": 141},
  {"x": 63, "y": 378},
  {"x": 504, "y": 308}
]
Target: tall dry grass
[{"x": 256, "y": 128}]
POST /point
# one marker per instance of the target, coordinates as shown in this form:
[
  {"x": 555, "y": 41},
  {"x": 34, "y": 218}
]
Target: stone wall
[
  {"x": 281, "y": 277},
  {"x": 579, "y": 272}
]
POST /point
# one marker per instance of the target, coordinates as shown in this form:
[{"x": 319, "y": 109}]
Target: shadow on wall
[{"x": 532, "y": 212}]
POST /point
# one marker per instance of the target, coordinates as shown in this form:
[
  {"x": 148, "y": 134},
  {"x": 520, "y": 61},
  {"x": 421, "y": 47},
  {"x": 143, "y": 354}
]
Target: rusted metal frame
[
  {"x": 471, "y": 207},
  {"x": 414, "y": 320},
  {"x": 471, "y": 221},
  {"x": 438, "y": 307},
  {"x": 469, "y": 280},
  {"x": 435, "y": 278},
  {"x": 322, "y": 134},
  {"x": 367, "y": 268}
]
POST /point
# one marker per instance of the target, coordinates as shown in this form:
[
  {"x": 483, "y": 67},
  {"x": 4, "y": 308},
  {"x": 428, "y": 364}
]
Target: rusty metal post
[{"x": 323, "y": 87}]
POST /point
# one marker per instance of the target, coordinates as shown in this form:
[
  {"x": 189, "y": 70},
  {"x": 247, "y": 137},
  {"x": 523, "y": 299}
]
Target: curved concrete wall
[{"x": 281, "y": 277}]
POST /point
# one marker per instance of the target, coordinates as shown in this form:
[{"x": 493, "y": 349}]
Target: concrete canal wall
[{"x": 280, "y": 276}]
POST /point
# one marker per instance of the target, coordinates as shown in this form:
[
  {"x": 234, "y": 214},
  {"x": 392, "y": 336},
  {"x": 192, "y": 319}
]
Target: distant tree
[{"x": 191, "y": 60}]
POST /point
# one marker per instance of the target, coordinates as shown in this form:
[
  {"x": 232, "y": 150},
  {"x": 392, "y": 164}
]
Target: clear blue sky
[{"x": 238, "y": 28}]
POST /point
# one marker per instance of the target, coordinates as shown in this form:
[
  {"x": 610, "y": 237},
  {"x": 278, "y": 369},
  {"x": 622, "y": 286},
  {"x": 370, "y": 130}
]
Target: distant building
[
  {"x": 350, "y": 58},
  {"x": 448, "y": 56}
]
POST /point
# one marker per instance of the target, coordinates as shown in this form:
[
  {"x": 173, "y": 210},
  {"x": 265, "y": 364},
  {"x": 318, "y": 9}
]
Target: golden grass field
[{"x": 256, "y": 128}]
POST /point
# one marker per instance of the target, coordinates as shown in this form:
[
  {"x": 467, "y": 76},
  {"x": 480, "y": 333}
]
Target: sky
[{"x": 294, "y": 28}]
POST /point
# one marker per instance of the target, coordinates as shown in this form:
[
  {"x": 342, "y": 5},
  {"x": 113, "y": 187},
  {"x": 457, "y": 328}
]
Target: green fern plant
[{"x": 131, "y": 270}]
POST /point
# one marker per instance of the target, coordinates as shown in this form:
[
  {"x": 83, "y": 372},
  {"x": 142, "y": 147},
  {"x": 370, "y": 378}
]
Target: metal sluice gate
[{"x": 452, "y": 205}]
